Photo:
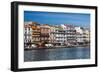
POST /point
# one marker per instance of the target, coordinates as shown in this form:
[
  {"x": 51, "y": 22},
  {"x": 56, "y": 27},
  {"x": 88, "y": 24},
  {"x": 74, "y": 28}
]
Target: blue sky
[{"x": 52, "y": 18}]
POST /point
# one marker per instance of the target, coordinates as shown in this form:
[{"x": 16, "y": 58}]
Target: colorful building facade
[{"x": 57, "y": 35}]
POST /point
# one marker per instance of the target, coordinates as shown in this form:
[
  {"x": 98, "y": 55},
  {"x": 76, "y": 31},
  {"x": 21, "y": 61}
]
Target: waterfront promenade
[{"x": 58, "y": 47}]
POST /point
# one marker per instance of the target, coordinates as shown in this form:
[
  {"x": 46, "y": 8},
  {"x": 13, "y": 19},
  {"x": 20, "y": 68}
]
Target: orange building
[{"x": 35, "y": 32}]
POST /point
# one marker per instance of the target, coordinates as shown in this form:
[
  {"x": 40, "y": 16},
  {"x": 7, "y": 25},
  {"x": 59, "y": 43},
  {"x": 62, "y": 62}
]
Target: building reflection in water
[{"x": 56, "y": 54}]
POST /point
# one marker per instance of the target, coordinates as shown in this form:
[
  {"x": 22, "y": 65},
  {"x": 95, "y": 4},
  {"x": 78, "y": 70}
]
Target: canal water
[{"x": 56, "y": 54}]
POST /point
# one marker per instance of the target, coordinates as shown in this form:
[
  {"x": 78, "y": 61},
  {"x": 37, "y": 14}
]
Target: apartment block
[{"x": 70, "y": 34}]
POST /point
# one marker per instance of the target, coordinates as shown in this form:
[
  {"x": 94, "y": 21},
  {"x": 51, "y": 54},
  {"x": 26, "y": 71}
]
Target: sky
[{"x": 58, "y": 18}]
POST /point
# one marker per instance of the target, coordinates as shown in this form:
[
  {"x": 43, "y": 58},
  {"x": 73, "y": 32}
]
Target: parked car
[
  {"x": 33, "y": 46},
  {"x": 48, "y": 45}
]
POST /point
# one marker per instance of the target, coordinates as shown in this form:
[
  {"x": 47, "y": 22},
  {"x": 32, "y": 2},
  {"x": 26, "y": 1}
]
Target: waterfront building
[
  {"x": 79, "y": 35},
  {"x": 35, "y": 32},
  {"x": 87, "y": 36},
  {"x": 70, "y": 34},
  {"x": 31, "y": 32},
  {"x": 27, "y": 32},
  {"x": 57, "y": 35},
  {"x": 62, "y": 35},
  {"x": 52, "y": 34},
  {"x": 83, "y": 35},
  {"x": 45, "y": 33}
]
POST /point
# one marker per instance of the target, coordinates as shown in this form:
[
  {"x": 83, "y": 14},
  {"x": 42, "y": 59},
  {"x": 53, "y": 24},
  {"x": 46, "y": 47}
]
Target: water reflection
[{"x": 56, "y": 54}]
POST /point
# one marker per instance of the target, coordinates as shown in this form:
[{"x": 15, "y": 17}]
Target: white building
[
  {"x": 83, "y": 35},
  {"x": 70, "y": 33},
  {"x": 57, "y": 35},
  {"x": 27, "y": 32}
]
